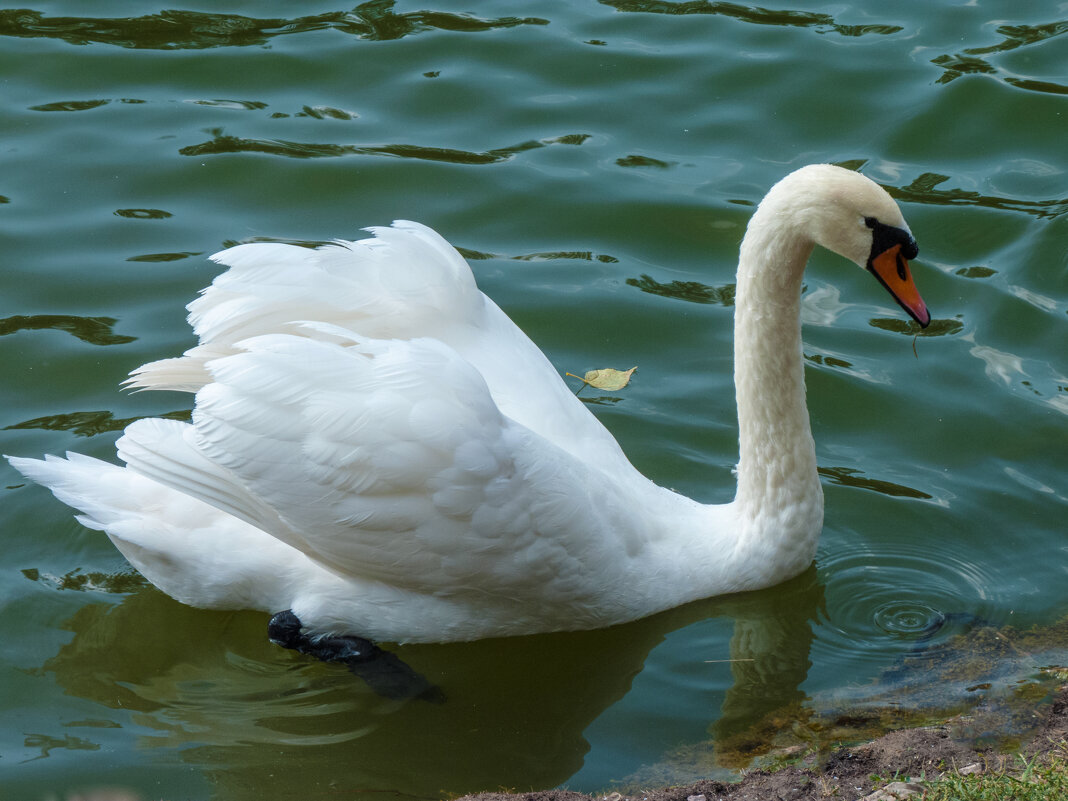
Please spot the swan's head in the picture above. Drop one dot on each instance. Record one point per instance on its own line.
(853, 216)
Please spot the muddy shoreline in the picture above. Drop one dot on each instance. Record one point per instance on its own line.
(846, 773)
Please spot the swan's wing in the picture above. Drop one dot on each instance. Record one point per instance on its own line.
(405, 281)
(395, 465)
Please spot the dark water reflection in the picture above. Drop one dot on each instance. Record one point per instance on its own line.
(849, 477)
(922, 190)
(94, 330)
(88, 424)
(823, 23)
(222, 143)
(180, 30)
(937, 328)
(516, 709)
(970, 60)
(692, 291)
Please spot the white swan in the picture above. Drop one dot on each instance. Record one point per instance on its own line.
(378, 448)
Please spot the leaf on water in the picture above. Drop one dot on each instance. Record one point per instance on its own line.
(607, 378)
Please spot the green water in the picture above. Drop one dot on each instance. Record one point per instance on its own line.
(597, 162)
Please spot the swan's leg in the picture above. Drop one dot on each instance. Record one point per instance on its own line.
(384, 673)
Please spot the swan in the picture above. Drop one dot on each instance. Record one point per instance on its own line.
(377, 450)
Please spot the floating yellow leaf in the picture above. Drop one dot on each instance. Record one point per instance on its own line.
(607, 378)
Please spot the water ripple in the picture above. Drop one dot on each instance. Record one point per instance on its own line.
(692, 291)
(83, 105)
(848, 477)
(936, 328)
(911, 599)
(94, 330)
(143, 214)
(183, 30)
(970, 61)
(752, 14)
(222, 143)
(922, 190)
(88, 424)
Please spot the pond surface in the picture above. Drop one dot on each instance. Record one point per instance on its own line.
(597, 163)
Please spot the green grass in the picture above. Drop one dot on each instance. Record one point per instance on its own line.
(1042, 778)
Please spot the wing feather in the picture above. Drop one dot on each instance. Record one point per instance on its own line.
(405, 281)
(394, 462)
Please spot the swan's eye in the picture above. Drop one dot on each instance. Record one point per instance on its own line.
(886, 236)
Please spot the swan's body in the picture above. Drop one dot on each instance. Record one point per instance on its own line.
(377, 447)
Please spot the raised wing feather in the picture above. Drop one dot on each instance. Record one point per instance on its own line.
(406, 281)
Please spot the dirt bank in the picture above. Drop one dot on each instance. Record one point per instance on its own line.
(846, 775)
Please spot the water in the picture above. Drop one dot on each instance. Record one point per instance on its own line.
(597, 162)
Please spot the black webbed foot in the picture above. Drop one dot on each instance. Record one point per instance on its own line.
(383, 671)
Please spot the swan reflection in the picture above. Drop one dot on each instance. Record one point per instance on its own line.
(257, 718)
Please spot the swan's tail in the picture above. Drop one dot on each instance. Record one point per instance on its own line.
(190, 550)
(99, 490)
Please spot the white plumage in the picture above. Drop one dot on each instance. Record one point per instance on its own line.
(377, 447)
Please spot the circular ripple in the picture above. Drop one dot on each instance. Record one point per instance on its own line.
(908, 619)
(906, 597)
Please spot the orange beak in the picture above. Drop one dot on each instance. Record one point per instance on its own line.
(892, 270)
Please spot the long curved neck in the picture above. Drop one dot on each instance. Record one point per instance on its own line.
(779, 500)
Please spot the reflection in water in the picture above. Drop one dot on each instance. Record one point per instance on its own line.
(70, 105)
(154, 258)
(957, 65)
(326, 113)
(848, 477)
(242, 105)
(277, 147)
(937, 328)
(88, 424)
(94, 330)
(211, 686)
(179, 30)
(976, 272)
(1029, 378)
(644, 161)
(548, 255)
(1032, 85)
(969, 62)
(47, 744)
(871, 594)
(769, 658)
(572, 255)
(823, 23)
(987, 684)
(1020, 35)
(143, 214)
(932, 624)
(922, 190)
(830, 361)
(692, 291)
(93, 581)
